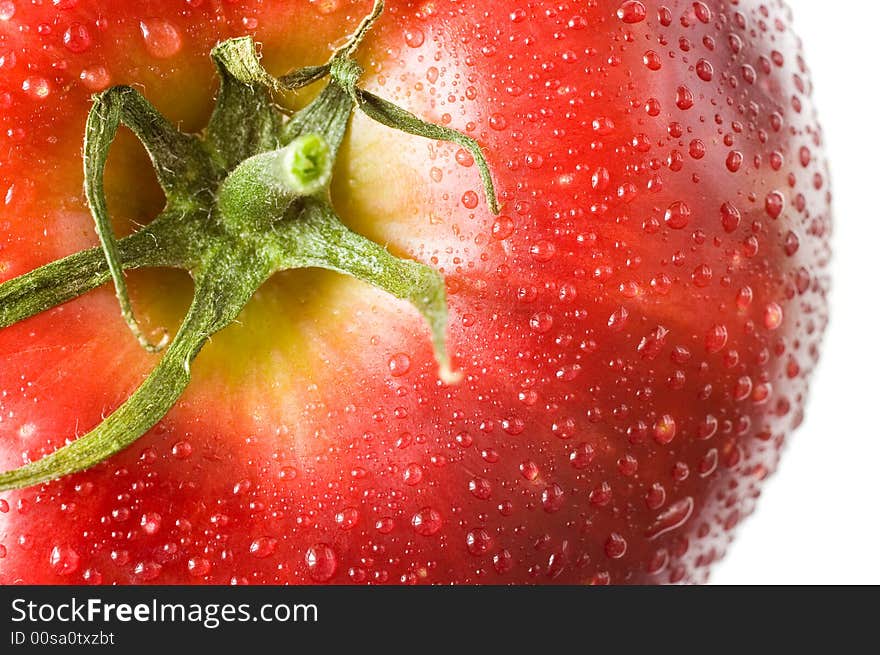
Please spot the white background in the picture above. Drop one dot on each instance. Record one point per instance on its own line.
(818, 520)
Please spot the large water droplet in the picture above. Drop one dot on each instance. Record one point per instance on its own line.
(322, 562)
(161, 38)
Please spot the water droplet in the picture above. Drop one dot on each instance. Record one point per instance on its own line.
(632, 11)
(7, 10)
(615, 546)
(503, 227)
(322, 562)
(502, 561)
(470, 199)
(385, 525)
(582, 456)
(664, 429)
(772, 316)
(552, 498)
(64, 560)
(347, 518)
(413, 474)
(287, 473)
(36, 87)
(774, 204)
(704, 70)
(480, 488)
(326, 7)
(497, 122)
(182, 449)
(262, 547)
(161, 38)
(541, 322)
(147, 571)
(675, 516)
(151, 522)
(479, 542)
(716, 338)
(734, 161)
(678, 215)
(684, 99)
(77, 38)
(427, 521)
(399, 364)
(414, 37)
(529, 470)
(198, 567)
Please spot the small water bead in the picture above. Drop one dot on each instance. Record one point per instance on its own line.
(470, 199)
(497, 122)
(734, 160)
(413, 474)
(774, 204)
(7, 10)
(652, 60)
(529, 470)
(182, 449)
(615, 546)
(326, 7)
(77, 38)
(664, 429)
(503, 227)
(480, 488)
(287, 473)
(151, 522)
(675, 516)
(161, 38)
(321, 562)
(198, 567)
(772, 316)
(730, 217)
(36, 87)
(385, 525)
(64, 560)
(704, 70)
(684, 98)
(552, 498)
(147, 571)
(791, 244)
(479, 542)
(502, 561)
(677, 215)
(399, 364)
(632, 11)
(541, 322)
(716, 338)
(262, 547)
(347, 518)
(414, 37)
(427, 521)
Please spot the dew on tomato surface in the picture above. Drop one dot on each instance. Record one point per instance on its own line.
(672, 518)
(427, 521)
(263, 547)
(77, 38)
(321, 562)
(479, 542)
(64, 560)
(632, 11)
(161, 38)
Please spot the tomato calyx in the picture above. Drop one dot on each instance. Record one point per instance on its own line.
(245, 199)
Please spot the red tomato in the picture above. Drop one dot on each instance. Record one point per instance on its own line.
(635, 329)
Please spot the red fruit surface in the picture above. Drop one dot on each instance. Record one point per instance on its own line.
(636, 329)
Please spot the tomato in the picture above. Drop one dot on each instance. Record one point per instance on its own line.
(634, 331)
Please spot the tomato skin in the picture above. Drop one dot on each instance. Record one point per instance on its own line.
(636, 329)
